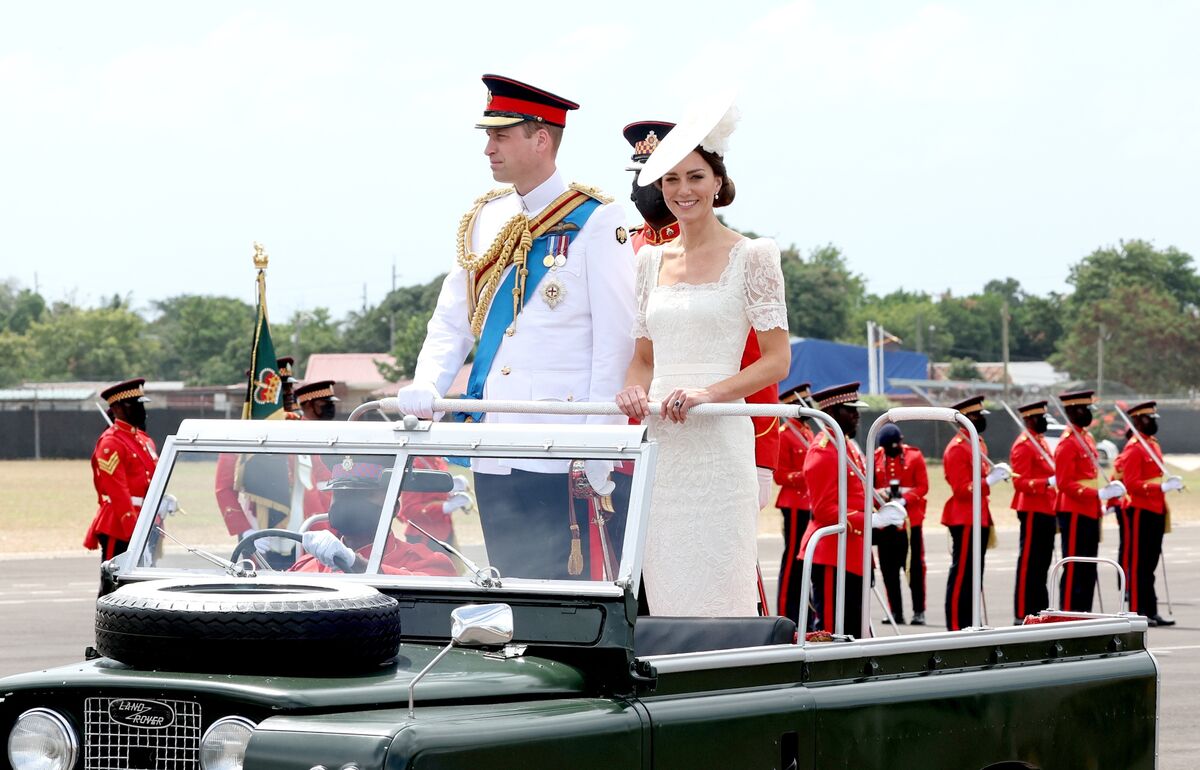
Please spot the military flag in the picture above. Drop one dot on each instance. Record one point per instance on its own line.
(264, 388)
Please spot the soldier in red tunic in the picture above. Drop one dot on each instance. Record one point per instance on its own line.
(820, 472)
(286, 366)
(1140, 466)
(1081, 494)
(958, 513)
(1033, 500)
(900, 469)
(122, 465)
(795, 437)
(317, 400)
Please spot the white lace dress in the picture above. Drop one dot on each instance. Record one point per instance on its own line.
(702, 545)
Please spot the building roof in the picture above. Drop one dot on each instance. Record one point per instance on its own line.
(356, 370)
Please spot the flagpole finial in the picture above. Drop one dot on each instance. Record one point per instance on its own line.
(260, 256)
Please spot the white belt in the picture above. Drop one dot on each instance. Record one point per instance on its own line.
(671, 370)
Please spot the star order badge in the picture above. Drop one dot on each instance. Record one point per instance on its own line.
(553, 292)
(622, 235)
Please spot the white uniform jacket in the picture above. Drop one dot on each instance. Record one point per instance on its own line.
(576, 351)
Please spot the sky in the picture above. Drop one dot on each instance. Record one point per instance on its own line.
(144, 146)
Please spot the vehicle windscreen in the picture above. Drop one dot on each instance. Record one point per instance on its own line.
(393, 514)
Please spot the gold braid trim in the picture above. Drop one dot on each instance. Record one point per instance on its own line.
(591, 192)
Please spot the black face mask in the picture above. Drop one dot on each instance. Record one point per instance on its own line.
(325, 409)
(980, 423)
(1040, 424)
(1080, 418)
(354, 513)
(650, 204)
(135, 414)
(892, 450)
(1150, 427)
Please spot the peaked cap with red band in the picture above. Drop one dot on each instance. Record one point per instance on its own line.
(1078, 398)
(1146, 407)
(971, 405)
(511, 102)
(1032, 409)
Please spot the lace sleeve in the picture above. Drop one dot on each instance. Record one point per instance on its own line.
(765, 304)
(647, 276)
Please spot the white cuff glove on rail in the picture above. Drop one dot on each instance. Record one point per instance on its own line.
(325, 546)
(765, 477)
(1172, 484)
(598, 472)
(456, 502)
(1111, 490)
(891, 514)
(999, 472)
(417, 399)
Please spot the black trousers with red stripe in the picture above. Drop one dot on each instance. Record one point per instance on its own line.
(960, 582)
(1033, 563)
(894, 546)
(1139, 557)
(795, 522)
(1080, 537)
(822, 605)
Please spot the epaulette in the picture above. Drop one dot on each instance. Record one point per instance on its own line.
(591, 192)
(1133, 440)
(1022, 437)
(958, 439)
(492, 195)
(824, 440)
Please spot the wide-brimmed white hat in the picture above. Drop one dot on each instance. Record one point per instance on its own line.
(709, 123)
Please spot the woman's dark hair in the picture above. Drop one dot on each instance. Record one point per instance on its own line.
(717, 163)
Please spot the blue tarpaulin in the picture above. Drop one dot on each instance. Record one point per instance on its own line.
(825, 363)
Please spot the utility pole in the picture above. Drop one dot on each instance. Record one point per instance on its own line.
(1004, 318)
(364, 299)
(871, 360)
(1100, 362)
(392, 311)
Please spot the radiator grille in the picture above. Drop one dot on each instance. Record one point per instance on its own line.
(111, 745)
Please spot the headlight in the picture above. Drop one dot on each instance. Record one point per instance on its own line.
(42, 739)
(224, 744)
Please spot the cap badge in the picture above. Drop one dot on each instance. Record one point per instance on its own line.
(553, 292)
(348, 464)
(647, 145)
(622, 235)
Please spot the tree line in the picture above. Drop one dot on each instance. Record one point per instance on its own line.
(1137, 303)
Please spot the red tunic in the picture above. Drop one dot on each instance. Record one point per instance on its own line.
(1031, 475)
(399, 558)
(956, 464)
(789, 471)
(1141, 475)
(820, 471)
(909, 469)
(122, 465)
(1076, 475)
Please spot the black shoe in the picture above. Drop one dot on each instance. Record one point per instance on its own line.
(918, 619)
(899, 620)
(1151, 622)
(1159, 620)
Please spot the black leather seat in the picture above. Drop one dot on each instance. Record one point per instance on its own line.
(665, 636)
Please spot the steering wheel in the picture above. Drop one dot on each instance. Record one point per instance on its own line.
(247, 544)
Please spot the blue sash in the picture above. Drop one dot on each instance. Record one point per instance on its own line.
(500, 315)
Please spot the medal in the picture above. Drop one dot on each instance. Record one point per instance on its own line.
(548, 260)
(553, 292)
(560, 260)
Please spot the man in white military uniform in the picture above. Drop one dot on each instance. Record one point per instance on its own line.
(544, 283)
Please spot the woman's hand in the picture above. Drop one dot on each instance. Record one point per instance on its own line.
(633, 403)
(676, 404)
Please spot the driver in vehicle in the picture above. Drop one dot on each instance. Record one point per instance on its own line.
(359, 489)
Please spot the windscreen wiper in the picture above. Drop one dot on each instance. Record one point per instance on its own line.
(484, 578)
(233, 570)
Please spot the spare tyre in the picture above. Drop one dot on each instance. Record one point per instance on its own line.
(261, 625)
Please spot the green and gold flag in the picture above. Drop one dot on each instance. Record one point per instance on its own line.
(264, 390)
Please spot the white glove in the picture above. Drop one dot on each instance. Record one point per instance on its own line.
(1172, 484)
(999, 472)
(417, 399)
(765, 477)
(328, 550)
(900, 501)
(460, 484)
(889, 515)
(1051, 482)
(456, 502)
(598, 472)
(262, 545)
(1111, 490)
(169, 505)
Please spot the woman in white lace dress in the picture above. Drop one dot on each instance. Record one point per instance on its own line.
(698, 296)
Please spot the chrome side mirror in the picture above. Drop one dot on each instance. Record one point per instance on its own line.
(472, 625)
